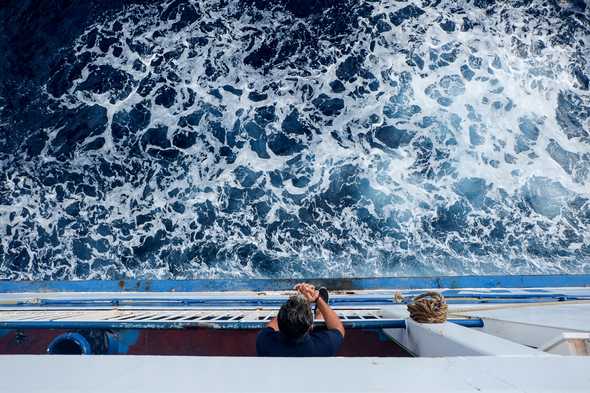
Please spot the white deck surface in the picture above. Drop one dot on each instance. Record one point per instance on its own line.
(565, 316)
(148, 374)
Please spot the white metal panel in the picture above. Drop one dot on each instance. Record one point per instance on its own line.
(449, 339)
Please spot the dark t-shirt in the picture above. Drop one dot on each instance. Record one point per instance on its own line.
(323, 342)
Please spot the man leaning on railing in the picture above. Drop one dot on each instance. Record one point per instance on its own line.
(291, 333)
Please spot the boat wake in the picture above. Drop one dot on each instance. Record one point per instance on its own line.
(299, 139)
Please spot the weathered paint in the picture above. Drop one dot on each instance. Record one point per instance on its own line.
(492, 281)
(125, 339)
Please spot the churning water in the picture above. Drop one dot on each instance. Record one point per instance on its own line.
(200, 139)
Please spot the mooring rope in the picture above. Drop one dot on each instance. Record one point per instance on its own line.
(430, 307)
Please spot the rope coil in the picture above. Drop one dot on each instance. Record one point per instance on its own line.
(430, 307)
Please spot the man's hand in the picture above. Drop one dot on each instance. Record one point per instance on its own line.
(308, 291)
(333, 322)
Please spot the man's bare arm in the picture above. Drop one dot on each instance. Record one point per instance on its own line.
(332, 320)
(273, 324)
(330, 317)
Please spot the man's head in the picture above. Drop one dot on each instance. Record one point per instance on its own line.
(295, 317)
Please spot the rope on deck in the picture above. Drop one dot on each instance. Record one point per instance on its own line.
(430, 307)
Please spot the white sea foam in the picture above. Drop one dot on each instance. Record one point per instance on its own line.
(472, 190)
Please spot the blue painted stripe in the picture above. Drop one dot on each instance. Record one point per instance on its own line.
(497, 281)
(231, 325)
(240, 303)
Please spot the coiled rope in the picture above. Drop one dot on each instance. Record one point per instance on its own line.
(430, 307)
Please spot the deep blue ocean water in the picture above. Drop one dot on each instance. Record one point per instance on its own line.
(295, 138)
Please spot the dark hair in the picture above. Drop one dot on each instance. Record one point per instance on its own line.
(295, 317)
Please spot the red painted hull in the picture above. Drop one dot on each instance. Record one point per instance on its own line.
(193, 342)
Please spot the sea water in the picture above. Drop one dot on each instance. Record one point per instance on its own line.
(295, 138)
